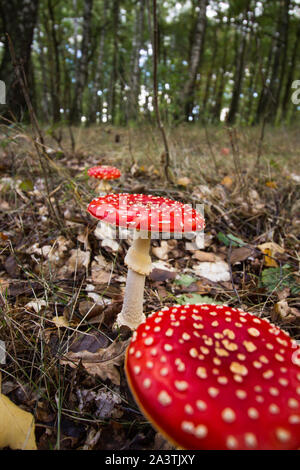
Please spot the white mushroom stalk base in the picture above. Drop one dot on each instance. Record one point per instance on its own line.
(138, 261)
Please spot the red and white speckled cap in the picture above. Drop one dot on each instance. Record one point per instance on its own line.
(147, 213)
(214, 377)
(104, 172)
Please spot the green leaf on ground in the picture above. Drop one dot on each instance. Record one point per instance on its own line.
(185, 280)
(279, 278)
(230, 239)
(26, 185)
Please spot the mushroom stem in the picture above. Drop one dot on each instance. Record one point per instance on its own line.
(104, 187)
(138, 261)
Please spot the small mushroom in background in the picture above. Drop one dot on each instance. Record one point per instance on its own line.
(104, 173)
(149, 217)
(215, 377)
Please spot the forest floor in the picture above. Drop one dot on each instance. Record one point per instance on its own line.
(62, 278)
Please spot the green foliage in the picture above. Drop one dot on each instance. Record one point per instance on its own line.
(230, 239)
(278, 278)
(26, 185)
(185, 280)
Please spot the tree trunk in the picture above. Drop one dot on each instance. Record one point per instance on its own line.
(212, 69)
(270, 94)
(45, 100)
(97, 84)
(187, 96)
(56, 71)
(82, 64)
(135, 62)
(290, 77)
(19, 19)
(239, 70)
(221, 86)
(114, 73)
(284, 34)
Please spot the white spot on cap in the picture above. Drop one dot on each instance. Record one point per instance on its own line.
(168, 347)
(169, 332)
(148, 341)
(284, 382)
(274, 391)
(250, 439)
(136, 370)
(164, 398)
(201, 405)
(187, 426)
(147, 383)
(222, 380)
(274, 409)
(228, 415)
(231, 442)
(201, 431)
(189, 409)
(294, 419)
(249, 346)
(253, 413)
(193, 352)
(268, 374)
(253, 332)
(293, 403)
(201, 372)
(213, 392)
(181, 385)
(283, 435)
(238, 368)
(241, 394)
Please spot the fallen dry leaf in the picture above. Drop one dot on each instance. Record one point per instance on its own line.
(36, 305)
(60, 322)
(271, 184)
(102, 363)
(162, 251)
(284, 311)
(16, 426)
(240, 254)
(270, 250)
(204, 256)
(227, 182)
(100, 270)
(184, 181)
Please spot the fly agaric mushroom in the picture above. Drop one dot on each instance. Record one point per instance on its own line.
(148, 216)
(215, 377)
(104, 173)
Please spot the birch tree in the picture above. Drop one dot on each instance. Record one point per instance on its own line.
(19, 19)
(82, 63)
(187, 95)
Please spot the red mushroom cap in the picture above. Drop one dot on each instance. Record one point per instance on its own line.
(104, 172)
(147, 213)
(214, 377)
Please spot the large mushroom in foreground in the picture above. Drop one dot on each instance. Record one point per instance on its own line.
(215, 377)
(149, 217)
